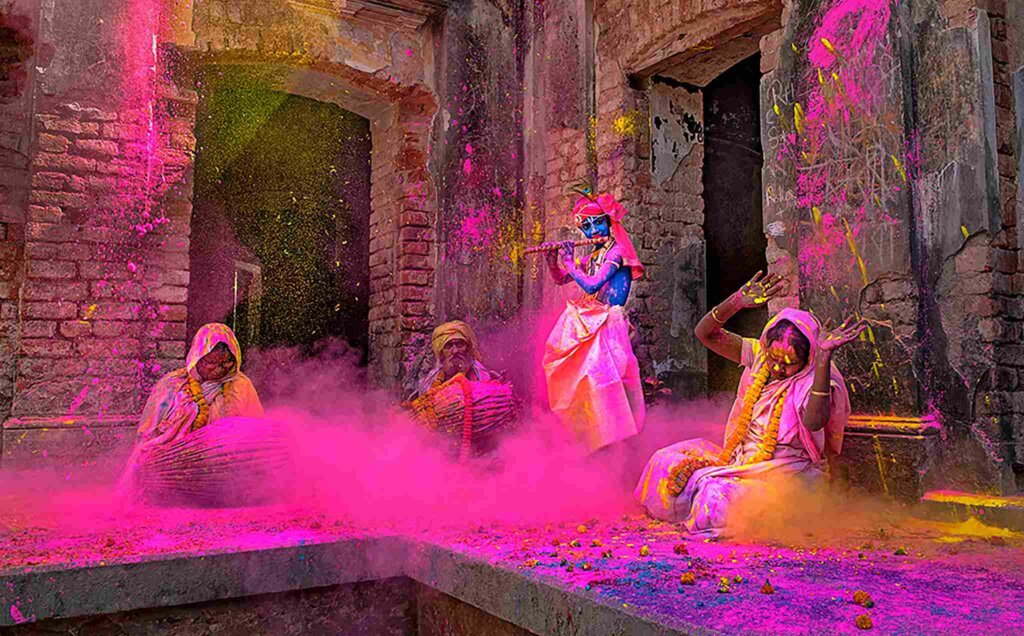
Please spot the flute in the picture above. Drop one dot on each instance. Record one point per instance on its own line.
(554, 245)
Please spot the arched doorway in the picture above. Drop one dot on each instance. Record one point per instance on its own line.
(280, 228)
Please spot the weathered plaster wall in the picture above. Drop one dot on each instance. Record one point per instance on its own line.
(929, 250)
(476, 159)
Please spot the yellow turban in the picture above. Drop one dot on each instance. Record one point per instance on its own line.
(454, 330)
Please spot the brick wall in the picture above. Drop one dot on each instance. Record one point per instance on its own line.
(19, 24)
(1001, 406)
(104, 263)
(94, 283)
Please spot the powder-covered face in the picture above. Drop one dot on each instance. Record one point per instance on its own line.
(217, 364)
(595, 226)
(456, 357)
(782, 358)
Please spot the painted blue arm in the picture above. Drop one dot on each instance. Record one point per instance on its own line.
(592, 284)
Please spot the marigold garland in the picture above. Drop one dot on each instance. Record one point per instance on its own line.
(196, 391)
(423, 407)
(680, 474)
(467, 416)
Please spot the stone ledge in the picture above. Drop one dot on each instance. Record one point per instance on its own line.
(36, 443)
(89, 421)
(534, 604)
(950, 505)
(892, 425)
(889, 454)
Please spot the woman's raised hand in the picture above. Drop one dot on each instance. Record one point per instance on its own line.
(759, 290)
(830, 339)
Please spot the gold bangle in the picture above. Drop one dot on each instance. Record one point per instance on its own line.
(820, 393)
(714, 315)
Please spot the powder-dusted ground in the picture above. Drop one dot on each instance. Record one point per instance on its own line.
(924, 577)
(963, 578)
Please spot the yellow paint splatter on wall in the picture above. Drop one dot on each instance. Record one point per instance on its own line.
(629, 124)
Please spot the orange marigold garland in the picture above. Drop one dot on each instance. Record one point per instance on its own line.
(681, 472)
(196, 391)
(423, 407)
(467, 416)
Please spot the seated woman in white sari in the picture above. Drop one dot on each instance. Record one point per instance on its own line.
(209, 388)
(790, 411)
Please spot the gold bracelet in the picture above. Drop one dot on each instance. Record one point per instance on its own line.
(715, 316)
(820, 393)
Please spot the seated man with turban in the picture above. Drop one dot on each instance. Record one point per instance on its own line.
(460, 397)
(455, 351)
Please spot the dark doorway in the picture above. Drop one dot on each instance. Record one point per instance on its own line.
(733, 226)
(280, 227)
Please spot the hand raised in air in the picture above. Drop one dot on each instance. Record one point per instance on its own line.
(830, 339)
(759, 290)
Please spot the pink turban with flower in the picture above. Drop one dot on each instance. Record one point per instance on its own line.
(606, 204)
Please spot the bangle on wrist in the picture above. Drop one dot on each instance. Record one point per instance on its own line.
(714, 316)
(820, 393)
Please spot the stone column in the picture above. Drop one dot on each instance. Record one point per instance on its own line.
(880, 182)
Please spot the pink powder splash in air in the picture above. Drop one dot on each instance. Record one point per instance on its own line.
(825, 255)
(869, 20)
(477, 230)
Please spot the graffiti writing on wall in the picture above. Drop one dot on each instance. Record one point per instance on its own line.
(838, 135)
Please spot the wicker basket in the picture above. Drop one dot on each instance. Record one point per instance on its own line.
(492, 410)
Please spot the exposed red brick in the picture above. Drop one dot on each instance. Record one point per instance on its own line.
(38, 329)
(45, 347)
(419, 248)
(68, 125)
(169, 294)
(64, 163)
(413, 277)
(97, 148)
(109, 328)
(410, 261)
(172, 349)
(51, 269)
(54, 290)
(177, 313)
(168, 331)
(75, 328)
(110, 311)
(50, 232)
(45, 214)
(50, 310)
(53, 143)
(101, 347)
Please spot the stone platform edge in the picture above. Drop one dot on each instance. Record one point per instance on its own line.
(535, 603)
(953, 506)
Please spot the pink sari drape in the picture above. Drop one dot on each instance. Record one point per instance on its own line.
(592, 375)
